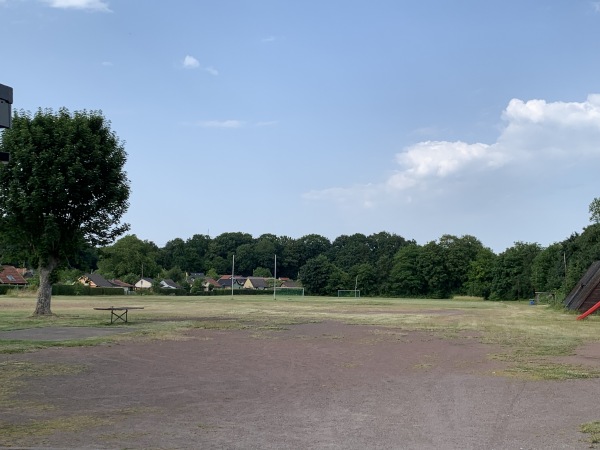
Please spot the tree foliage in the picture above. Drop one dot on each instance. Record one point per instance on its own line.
(128, 258)
(315, 275)
(63, 188)
(594, 210)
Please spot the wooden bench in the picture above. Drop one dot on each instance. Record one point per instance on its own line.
(118, 312)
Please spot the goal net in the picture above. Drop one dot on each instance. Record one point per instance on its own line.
(349, 293)
(289, 291)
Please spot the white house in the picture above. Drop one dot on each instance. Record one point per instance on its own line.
(144, 283)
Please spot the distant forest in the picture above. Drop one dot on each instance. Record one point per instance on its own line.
(381, 264)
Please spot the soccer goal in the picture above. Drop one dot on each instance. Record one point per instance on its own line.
(349, 293)
(289, 291)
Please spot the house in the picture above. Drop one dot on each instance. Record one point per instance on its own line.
(144, 283)
(94, 280)
(169, 284)
(226, 281)
(586, 292)
(126, 286)
(10, 275)
(193, 276)
(256, 283)
(209, 284)
(26, 273)
(289, 284)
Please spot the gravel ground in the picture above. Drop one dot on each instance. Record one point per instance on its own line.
(313, 386)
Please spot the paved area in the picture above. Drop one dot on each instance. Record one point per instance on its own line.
(311, 386)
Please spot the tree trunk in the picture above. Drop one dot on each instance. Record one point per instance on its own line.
(44, 293)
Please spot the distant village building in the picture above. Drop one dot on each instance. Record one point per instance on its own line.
(169, 284)
(255, 283)
(125, 286)
(226, 282)
(94, 280)
(10, 275)
(144, 283)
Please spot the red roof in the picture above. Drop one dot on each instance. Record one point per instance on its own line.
(121, 283)
(10, 275)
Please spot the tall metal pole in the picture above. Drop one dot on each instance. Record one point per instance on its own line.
(232, 273)
(275, 280)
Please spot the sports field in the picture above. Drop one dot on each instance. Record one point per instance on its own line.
(297, 372)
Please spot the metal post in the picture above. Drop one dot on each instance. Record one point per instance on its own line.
(232, 273)
(275, 279)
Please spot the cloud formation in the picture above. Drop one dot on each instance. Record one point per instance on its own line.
(90, 5)
(189, 62)
(538, 138)
(221, 124)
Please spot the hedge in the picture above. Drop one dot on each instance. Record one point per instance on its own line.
(4, 288)
(217, 292)
(176, 292)
(80, 289)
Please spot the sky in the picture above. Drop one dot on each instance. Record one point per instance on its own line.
(416, 117)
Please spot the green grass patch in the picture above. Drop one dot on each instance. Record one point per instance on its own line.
(547, 371)
(11, 434)
(593, 429)
(527, 336)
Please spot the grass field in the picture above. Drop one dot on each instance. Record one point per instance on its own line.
(530, 341)
(528, 335)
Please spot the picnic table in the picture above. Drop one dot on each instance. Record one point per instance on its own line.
(118, 312)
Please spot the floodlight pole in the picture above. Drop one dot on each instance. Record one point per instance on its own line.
(275, 280)
(232, 272)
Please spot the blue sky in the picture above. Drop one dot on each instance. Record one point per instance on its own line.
(419, 118)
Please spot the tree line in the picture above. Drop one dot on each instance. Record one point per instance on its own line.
(381, 264)
(64, 191)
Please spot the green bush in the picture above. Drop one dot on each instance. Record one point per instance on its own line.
(80, 289)
(175, 292)
(4, 289)
(217, 292)
(11, 289)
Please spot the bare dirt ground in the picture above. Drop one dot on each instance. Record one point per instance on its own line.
(311, 386)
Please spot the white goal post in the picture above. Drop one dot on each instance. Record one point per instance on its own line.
(296, 291)
(349, 293)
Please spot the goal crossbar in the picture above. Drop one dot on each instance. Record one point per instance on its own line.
(349, 293)
(299, 291)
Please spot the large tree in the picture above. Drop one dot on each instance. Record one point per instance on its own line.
(64, 186)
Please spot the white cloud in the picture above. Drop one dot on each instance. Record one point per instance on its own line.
(90, 5)
(189, 62)
(221, 124)
(541, 167)
(537, 135)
